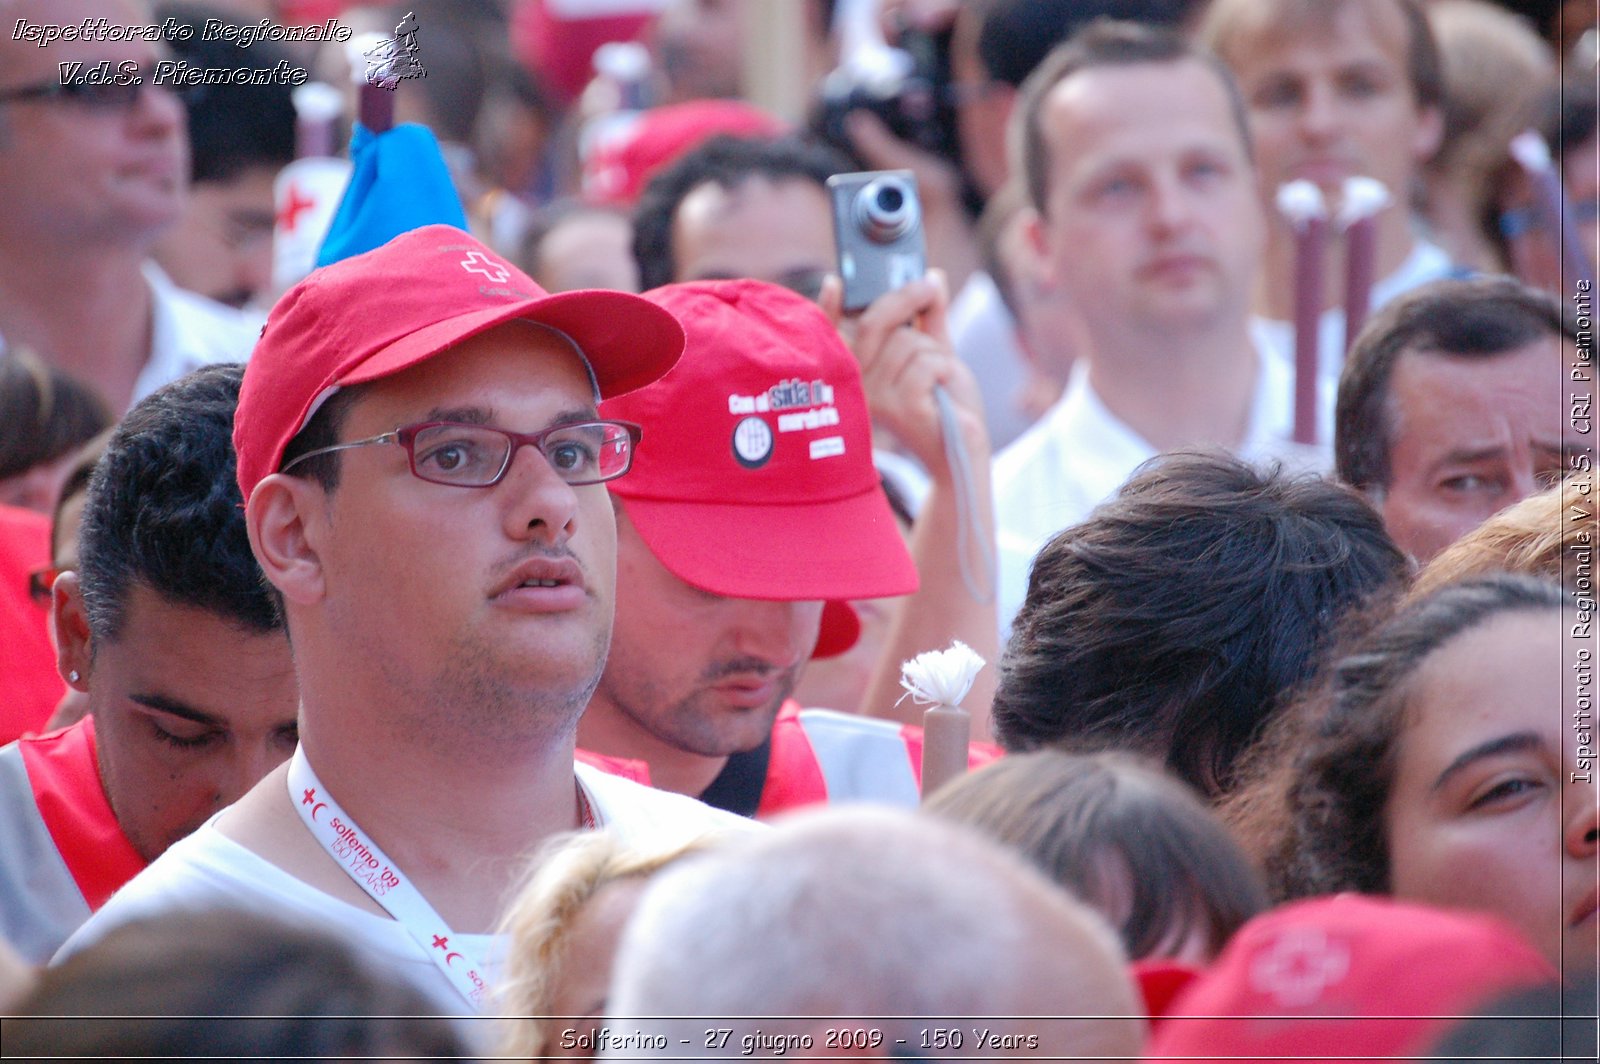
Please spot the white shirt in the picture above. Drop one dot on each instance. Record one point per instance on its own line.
(208, 870)
(1427, 262)
(1080, 453)
(984, 336)
(189, 331)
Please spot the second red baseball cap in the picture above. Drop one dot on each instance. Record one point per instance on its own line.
(1344, 977)
(618, 172)
(757, 479)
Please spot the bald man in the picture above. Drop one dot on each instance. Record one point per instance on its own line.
(868, 912)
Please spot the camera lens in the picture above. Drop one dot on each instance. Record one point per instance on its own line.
(886, 209)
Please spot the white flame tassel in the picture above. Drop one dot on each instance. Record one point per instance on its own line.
(941, 677)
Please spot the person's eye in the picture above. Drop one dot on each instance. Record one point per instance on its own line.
(1204, 169)
(1276, 93)
(1503, 792)
(1114, 189)
(1361, 86)
(571, 454)
(447, 457)
(1469, 483)
(453, 455)
(182, 740)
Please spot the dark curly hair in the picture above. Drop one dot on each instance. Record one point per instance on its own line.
(163, 510)
(1345, 757)
(1182, 613)
(727, 162)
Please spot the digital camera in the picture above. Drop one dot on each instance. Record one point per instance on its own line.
(877, 224)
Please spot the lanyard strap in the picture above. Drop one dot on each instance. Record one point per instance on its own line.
(374, 873)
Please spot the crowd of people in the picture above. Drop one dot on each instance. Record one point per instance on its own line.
(489, 643)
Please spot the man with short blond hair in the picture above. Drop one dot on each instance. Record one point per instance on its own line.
(1336, 89)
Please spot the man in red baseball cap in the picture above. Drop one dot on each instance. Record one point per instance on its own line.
(422, 464)
(739, 537)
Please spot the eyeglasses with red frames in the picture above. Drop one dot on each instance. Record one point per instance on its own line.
(477, 456)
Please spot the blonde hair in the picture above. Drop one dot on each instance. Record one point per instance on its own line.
(1535, 537)
(564, 875)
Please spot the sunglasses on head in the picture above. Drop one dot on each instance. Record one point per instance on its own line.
(120, 93)
(41, 582)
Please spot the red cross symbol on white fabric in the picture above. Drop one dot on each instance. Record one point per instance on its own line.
(293, 206)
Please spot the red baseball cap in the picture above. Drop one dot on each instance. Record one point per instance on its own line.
(375, 314)
(757, 481)
(1345, 976)
(617, 172)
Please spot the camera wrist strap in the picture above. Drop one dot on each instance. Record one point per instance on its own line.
(972, 540)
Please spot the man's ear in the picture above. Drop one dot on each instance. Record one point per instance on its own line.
(1034, 232)
(831, 299)
(285, 518)
(1429, 137)
(74, 645)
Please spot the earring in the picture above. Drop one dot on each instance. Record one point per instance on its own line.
(72, 675)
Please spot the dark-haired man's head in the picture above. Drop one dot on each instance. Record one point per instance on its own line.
(224, 985)
(1452, 407)
(1182, 613)
(998, 43)
(240, 136)
(737, 207)
(167, 625)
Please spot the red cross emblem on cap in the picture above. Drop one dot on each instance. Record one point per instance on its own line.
(1299, 965)
(478, 262)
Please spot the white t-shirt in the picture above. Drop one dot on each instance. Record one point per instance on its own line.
(984, 335)
(1080, 453)
(208, 870)
(189, 331)
(1426, 262)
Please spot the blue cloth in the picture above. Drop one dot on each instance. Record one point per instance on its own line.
(398, 182)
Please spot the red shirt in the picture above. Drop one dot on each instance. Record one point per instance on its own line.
(30, 687)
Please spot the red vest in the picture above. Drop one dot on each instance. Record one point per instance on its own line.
(63, 852)
(815, 756)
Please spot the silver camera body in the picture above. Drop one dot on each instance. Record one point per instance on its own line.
(877, 224)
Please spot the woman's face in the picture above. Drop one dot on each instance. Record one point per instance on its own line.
(1490, 808)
